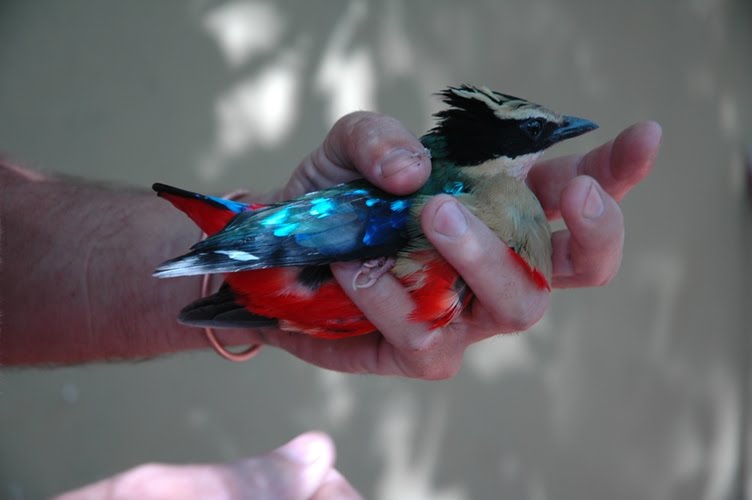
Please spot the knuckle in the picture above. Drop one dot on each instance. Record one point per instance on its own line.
(605, 278)
(347, 123)
(367, 133)
(602, 275)
(320, 160)
(363, 125)
(248, 475)
(473, 251)
(362, 137)
(443, 370)
(433, 360)
(521, 314)
(346, 135)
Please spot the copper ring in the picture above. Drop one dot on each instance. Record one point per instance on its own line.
(209, 332)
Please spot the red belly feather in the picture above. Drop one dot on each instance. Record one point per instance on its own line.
(327, 312)
(439, 294)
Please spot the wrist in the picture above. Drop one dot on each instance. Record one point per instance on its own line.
(207, 286)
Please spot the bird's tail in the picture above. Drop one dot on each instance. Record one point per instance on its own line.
(209, 213)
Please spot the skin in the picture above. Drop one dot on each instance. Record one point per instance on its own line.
(70, 264)
(302, 469)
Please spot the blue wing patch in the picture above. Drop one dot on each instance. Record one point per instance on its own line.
(345, 222)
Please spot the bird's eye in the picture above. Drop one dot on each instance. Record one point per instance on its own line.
(533, 128)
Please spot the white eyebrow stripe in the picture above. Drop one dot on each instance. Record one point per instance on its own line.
(525, 113)
(479, 96)
(507, 108)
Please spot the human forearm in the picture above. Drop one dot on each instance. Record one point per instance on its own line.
(76, 273)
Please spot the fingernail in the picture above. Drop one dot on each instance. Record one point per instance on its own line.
(593, 206)
(303, 449)
(398, 160)
(450, 220)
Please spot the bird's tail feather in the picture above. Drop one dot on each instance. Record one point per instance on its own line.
(221, 311)
(209, 213)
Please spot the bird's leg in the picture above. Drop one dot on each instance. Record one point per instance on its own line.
(372, 270)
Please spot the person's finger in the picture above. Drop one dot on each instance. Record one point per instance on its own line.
(589, 252)
(293, 471)
(617, 165)
(336, 487)
(156, 481)
(364, 144)
(411, 349)
(507, 299)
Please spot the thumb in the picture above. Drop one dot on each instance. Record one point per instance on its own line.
(293, 471)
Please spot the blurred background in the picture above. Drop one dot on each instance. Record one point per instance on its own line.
(637, 390)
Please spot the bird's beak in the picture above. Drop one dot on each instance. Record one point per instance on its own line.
(570, 127)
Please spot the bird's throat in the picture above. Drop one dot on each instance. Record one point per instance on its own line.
(516, 168)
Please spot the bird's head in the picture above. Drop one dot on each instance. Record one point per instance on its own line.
(485, 128)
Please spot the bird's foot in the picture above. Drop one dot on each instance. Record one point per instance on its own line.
(371, 270)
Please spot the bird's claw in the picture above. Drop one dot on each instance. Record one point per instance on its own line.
(372, 270)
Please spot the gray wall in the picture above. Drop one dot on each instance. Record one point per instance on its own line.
(632, 391)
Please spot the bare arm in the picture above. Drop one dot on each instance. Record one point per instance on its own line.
(76, 272)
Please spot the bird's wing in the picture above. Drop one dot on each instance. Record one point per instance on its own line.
(221, 310)
(345, 222)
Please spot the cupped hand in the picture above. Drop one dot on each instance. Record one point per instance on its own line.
(584, 190)
(301, 469)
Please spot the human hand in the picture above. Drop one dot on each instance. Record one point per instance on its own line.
(582, 189)
(301, 469)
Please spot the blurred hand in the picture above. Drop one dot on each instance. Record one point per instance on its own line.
(301, 469)
(582, 189)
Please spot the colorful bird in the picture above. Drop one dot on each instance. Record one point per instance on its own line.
(276, 258)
